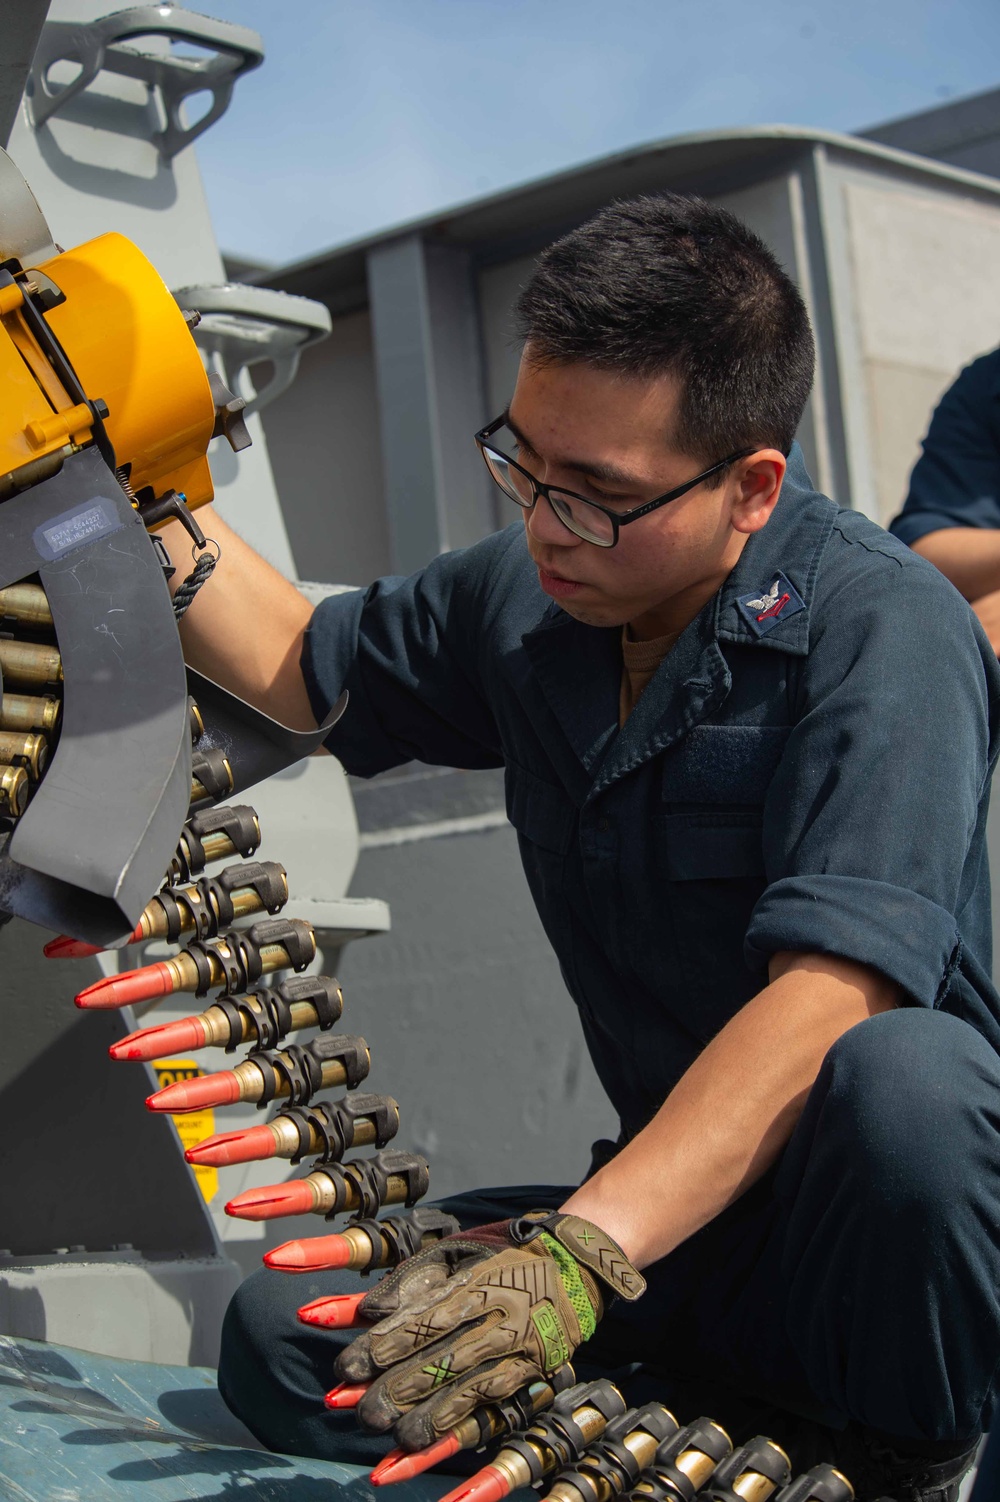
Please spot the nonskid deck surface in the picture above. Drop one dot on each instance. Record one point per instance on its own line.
(76, 1427)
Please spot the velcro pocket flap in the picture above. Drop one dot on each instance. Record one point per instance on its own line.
(723, 764)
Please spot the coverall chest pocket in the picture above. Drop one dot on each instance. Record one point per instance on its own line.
(545, 819)
(708, 859)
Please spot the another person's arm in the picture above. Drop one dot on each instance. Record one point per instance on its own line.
(952, 511)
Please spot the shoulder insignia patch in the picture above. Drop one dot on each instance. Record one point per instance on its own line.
(778, 601)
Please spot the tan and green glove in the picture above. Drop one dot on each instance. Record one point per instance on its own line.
(475, 1316)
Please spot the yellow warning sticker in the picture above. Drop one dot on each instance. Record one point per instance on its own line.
(196, 1125)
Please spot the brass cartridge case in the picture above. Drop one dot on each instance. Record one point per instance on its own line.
(28, 751)
(28, 712)
(30, 662)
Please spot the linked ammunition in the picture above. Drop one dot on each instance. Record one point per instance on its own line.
(614, 1463)
(482, 1426)
(195, 721)
(337, 1313)
(365, 1245)
(684, 1463)
(213, 902)
(29, 712)
(557, 1438)
(202, 908)
(824, 1483)
(211, 777)
(345, 1395)
(29, 663)
(28, 751)
(231, 962)
(261, 1018)
(360, 1187)
(297, 1071)
(212, 834)
(13, 791)
(329, 1129)
(753, 1473)
(27, 604)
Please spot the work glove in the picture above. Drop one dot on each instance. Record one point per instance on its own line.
(476, 1316)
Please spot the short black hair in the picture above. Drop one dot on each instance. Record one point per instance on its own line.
(674, 285)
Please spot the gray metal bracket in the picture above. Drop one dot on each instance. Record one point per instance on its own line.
(94, 46)
(242, 326)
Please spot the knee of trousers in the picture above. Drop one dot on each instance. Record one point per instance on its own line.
(272, 1368)
(908, 1102)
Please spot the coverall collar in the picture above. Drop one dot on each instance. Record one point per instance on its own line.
(578, 667)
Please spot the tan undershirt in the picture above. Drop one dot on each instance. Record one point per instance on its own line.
(640, 660)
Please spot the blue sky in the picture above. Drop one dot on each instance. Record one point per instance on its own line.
(370, 112)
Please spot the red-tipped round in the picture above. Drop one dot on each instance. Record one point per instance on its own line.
(65, 948)
(403, 1465)
(132, 985)
(163, 1042)
(295, 1198)
(487, 1485)
(233, 1147)
(340, 1312)
(197, 1094)
(312, 1255)
(345, 1396)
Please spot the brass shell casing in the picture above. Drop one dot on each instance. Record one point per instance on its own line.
(29, 712)
(13, 791)
(26, 603)
(30, 662)
(28, 751)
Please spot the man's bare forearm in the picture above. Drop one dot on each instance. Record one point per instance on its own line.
(968, 556)
(246, 626)
(730, 1116)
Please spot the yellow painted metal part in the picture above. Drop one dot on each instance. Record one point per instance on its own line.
(128, 342)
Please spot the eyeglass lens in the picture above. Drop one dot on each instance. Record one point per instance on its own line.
(583, 519)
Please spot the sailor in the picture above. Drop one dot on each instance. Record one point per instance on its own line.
(952, 510)
(747, 739)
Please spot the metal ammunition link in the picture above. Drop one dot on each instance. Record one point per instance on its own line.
(369, 1179)
(238, 952)
(334, 1122)
(235, 830)
(684, 1463)
(208, 902)
(300, 1067)
(759, 1457)
(211, 777)
(557, 1431)
(268, 1009)
(403, 1236)
(824, 1483)
(517, 1411)
(610, 1466)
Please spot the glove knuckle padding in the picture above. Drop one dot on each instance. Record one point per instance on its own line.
(486, 1384)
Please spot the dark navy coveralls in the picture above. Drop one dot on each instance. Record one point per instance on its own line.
(956, 481)
(808, 770)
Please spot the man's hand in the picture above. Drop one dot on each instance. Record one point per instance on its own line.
(474, 1317)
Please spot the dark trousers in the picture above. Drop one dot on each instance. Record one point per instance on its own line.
(858, 1281)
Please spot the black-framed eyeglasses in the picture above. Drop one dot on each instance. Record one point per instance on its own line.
(587, 519)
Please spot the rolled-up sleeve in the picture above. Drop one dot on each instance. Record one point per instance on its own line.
(869, 820)
(406, 651)
(956, 481)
